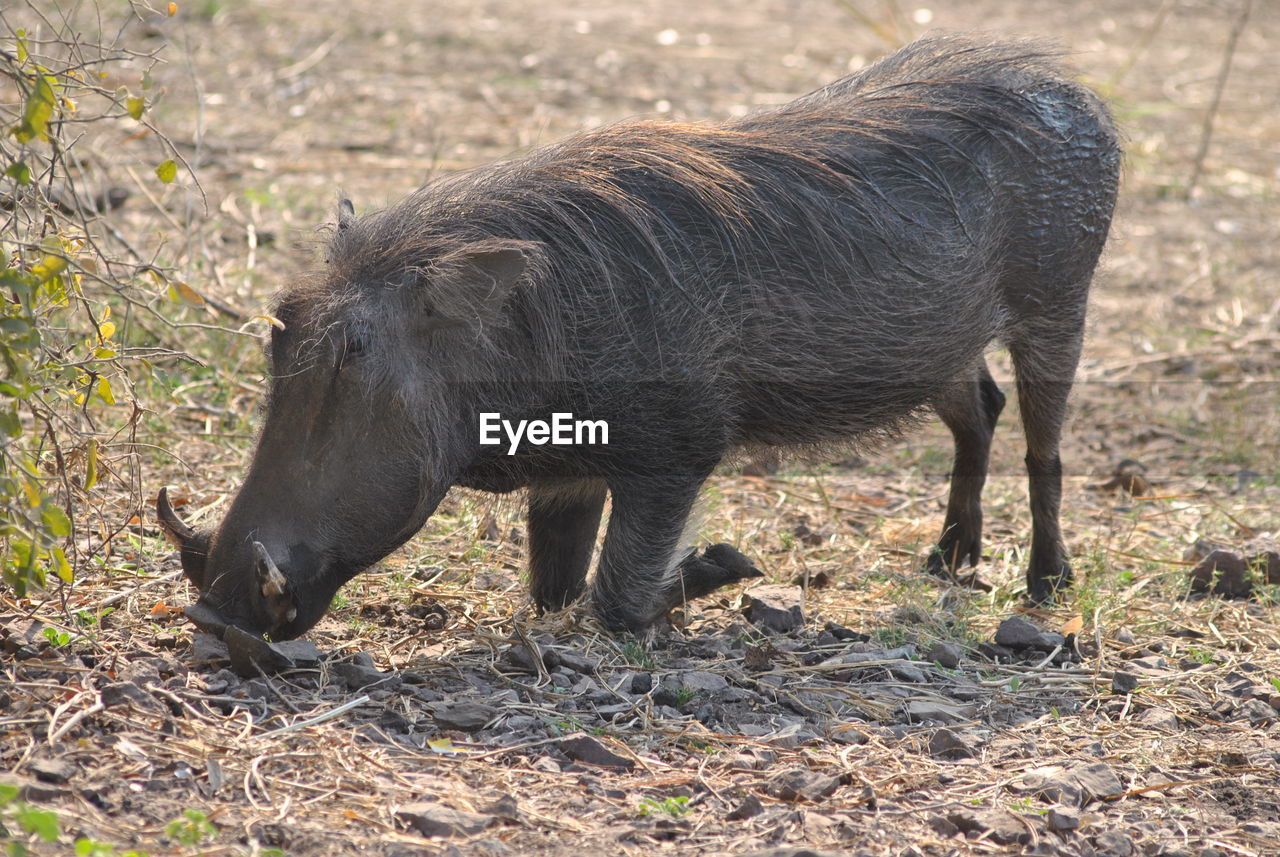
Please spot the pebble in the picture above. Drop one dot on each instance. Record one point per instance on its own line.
(584, 748)
(435, 819)
(776, 607)
(463, 716)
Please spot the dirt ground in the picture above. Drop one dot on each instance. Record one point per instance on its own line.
(886, 714)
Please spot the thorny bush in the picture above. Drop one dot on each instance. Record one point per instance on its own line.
(70, 282)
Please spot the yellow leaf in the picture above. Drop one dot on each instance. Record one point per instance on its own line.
(173, 9)
(91, 465)
(104, 352)
(104, 391)
(107, 329)
(38, 111)
(167, 171)
(60, 565)
(1074, 625)
(135, 106)
(48, 268)
(180, 292)
(442, 745)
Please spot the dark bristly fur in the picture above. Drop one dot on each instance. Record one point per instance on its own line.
(821, 273)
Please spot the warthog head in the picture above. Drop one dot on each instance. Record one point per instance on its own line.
(358, 443)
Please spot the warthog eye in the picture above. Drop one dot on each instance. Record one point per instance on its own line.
(355, 347)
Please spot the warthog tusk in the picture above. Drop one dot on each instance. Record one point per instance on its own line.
(275, 588)
(273, 581)
(175, 529)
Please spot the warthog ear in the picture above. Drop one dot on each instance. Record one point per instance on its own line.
(477, 281)
(346, 214)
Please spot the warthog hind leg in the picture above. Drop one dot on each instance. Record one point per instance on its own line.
(970, 409)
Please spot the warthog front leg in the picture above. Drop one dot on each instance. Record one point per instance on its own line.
(642, 574)
(563, 519)
(719, 565)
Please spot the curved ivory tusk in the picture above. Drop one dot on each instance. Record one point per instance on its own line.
(175, 529)
(272, 579)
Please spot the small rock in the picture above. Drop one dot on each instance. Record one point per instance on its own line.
(1113, 843)
(208, 649)
(927, 711)
(641, 683)
(900, 653)
(945, 655)
(1122, 682)
(57, 771)
(122, 692)
(794, 851)
(947, 744)
(505, 807)
(435, 819)
(1257, 712)
(144, 672)
(584, 748)
(463, 716)
(1017, 633)
(800, 784)
(844, 634)
(776, 608)
(222, 681)
(749, 807)
(359, 676)
(1096, 780)
(522, 658)
(1264, 558)
(547, 765)
(1230, 571)
(393, 721)
(303, 653)
(256, 688)
(910, 674)
(996, 654)
(996, 825)
(1159, 718)
(35, 790)
(1125, 637)
(578, 663)
(942, 826)
(759, 658)
(1061, 819)
(250, 653)
(703, 682)
(665, 695)
(1201, 549)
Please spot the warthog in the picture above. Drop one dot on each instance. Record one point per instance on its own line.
(816, 274)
